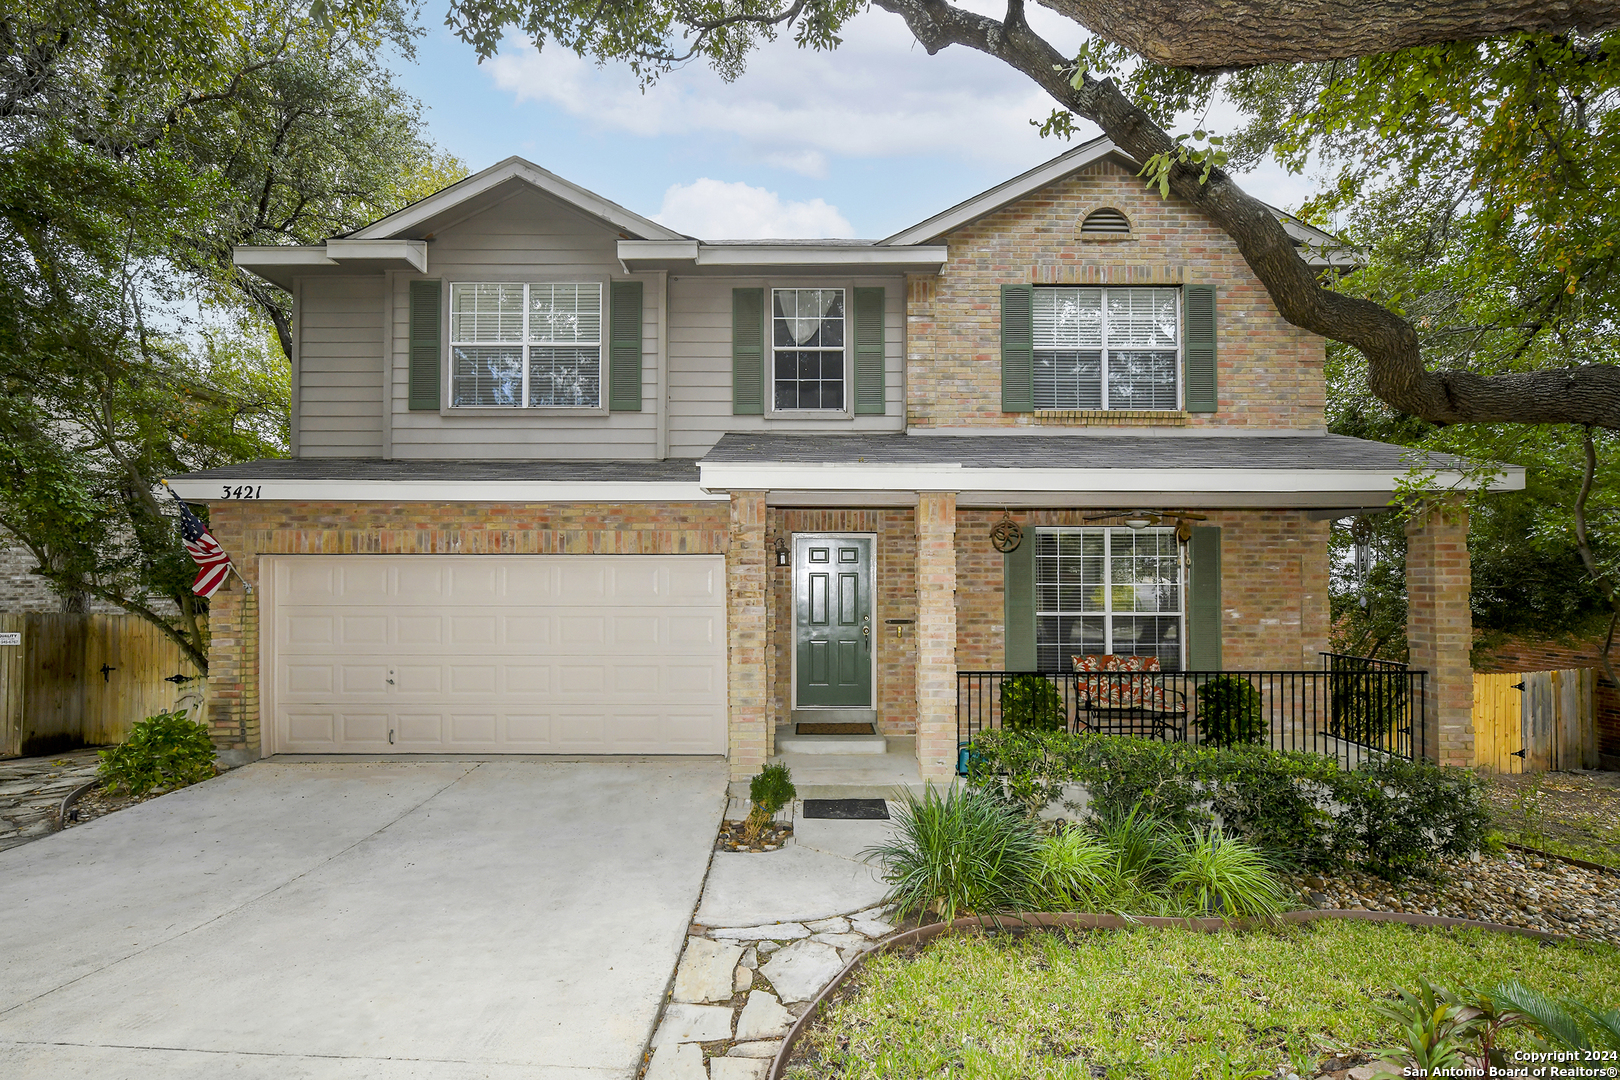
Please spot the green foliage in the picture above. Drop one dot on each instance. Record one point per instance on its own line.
(1392, 816)
(169, 750)
(1432, 1029)
(769, 790)
(1214, 872)
(1229, 711)
(1076, 872)
(1031, 703)
(963, 852)
(141, 144)
(772, 788)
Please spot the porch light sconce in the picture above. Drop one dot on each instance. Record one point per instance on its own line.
(781, 548)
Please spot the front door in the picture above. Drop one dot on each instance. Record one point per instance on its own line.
(832, 586)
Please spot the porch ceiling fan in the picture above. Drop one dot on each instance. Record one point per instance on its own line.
(1142, 519)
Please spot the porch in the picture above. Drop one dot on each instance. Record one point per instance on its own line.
(1222, 582)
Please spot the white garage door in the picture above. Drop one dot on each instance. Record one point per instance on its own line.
(519, 654)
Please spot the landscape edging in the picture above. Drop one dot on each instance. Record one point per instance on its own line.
(67, 803)
(1094, 921)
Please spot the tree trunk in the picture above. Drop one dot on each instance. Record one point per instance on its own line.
(1212, 35)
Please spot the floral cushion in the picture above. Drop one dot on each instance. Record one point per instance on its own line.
(1122, 693)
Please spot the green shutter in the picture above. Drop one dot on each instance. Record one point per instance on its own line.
(1018, 581)
(1204, 600)
(1017, 348)
(869, 312)
(426, 359)
(624, 347)
(1198, 338)
(747, 352)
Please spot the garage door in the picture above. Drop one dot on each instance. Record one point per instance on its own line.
(521, 654)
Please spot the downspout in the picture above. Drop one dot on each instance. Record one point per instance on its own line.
(661, 382)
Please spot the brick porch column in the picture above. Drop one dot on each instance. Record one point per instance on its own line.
(747, 689)
(1439, 627)
(936, 635)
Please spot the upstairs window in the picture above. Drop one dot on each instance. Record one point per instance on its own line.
(1107, 591)
(807, 349)
(1107, 348)
(533, 346)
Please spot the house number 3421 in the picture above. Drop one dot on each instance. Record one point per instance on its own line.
(243, 491)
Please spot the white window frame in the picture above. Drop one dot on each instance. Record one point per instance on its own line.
(1108, 614)
(1103, 349)
(848, 351)
(524, 345)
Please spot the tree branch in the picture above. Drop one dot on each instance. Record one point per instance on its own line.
(1587, 395)
(1584, 546)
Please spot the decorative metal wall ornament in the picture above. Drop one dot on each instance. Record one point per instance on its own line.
(1005, 535)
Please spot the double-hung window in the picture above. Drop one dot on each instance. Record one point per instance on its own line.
(807, 349)
(1107, 348)
(534, 346)
(1109, 591)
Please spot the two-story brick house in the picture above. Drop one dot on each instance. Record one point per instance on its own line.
(566, 481)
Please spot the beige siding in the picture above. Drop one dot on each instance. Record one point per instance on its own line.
(340, 367)
(700, 363)
(529, 237)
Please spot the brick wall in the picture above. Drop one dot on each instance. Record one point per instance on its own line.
(250, 529)
(1274, 586)
(23, 591)
(1269, 374)
(1439, 627)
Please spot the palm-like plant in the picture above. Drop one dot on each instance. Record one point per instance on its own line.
(964, 851)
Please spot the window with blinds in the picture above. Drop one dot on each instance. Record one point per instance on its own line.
(1107, 348)
(530, 346)
(1107, 591)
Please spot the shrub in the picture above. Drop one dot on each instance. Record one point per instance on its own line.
(1229, 711)
(965, 851)
(1391, 816)
(1075, 872)
(166, 750)
(1214, 872)
(770, 790)
(1031, 703)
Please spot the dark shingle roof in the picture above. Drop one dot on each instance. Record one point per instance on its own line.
(1077, 451)
(674, 471)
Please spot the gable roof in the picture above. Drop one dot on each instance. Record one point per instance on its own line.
(1323, 248)
(520, 170)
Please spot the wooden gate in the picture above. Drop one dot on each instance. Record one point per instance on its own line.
(1536, 721)
(84, 680)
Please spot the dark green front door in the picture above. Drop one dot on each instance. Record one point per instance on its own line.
(832, 585)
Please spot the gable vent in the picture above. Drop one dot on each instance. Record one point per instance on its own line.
(1106, 221)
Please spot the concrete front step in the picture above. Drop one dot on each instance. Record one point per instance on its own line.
(851, 776)
(789, 743)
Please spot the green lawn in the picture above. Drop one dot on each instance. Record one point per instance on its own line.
(1161, 1003)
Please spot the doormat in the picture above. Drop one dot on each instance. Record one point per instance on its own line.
(833, 729)
(847, 809)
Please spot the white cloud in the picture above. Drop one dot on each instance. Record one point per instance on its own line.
(878, 95)
(717, 210)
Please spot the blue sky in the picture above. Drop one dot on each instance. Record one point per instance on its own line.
(863, 141)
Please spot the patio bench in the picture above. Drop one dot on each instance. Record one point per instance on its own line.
(1126, 695)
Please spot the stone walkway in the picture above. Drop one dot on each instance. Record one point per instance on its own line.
(773, 929)
(31, 789)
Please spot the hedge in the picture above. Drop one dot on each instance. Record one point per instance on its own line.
(1390, 816)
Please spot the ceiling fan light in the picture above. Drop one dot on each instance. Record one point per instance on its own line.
(1137, 523)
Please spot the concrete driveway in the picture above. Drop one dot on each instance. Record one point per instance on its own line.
(448, 918)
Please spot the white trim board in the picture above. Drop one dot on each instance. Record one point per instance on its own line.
(536, 491)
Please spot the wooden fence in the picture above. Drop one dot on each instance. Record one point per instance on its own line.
(84, 680)
(1536, 721)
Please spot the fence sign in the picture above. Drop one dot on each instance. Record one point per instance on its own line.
(11, 639)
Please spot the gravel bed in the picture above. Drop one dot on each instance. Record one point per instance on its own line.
(98, 803)
(773, 837)
(1515, 889)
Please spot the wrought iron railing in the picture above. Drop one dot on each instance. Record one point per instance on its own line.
(1344, 712)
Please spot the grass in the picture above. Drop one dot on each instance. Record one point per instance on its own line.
(1166, 1004)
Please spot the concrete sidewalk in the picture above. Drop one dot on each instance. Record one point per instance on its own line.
(452, 918)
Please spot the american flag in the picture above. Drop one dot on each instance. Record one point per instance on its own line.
(213, 565)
